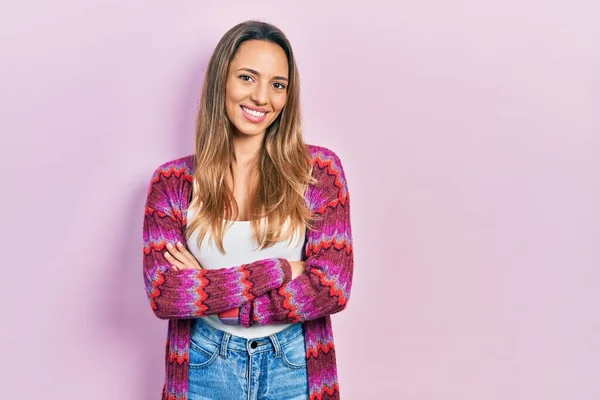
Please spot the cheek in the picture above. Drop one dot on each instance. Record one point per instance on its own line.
(229, 106)
(278, 102)
(232, 98)
(234, 93)
(229, 110)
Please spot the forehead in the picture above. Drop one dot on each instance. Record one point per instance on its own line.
(265, 57)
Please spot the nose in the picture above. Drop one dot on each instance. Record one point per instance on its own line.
(260, 95)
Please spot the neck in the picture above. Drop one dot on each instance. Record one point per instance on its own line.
(246, 148)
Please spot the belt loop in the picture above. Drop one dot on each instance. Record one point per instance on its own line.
(224, 342)
(275, 344)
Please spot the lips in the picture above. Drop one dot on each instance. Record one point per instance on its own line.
(253, 115)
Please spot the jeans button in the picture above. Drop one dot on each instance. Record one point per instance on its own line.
(253, 344)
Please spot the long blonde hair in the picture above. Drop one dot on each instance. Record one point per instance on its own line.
(282, 170)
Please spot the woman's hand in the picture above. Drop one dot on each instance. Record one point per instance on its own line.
(180, 257)
(298, 267)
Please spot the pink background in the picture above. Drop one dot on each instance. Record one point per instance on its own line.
(470, 136)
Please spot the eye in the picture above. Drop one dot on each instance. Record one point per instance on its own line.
(246, 78)
(281, 85)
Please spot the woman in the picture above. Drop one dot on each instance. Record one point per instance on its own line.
(247, 242)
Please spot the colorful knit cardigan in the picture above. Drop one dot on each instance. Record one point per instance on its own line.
(263, 289)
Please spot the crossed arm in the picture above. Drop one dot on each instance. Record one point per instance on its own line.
(263, 291)
(324, 288)
(181, 258)
(192, 293)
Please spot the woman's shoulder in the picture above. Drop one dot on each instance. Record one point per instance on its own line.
(178, 166)
(168, 176)
(166, 182)
(324, 154)
(328, 172)
(326, 158)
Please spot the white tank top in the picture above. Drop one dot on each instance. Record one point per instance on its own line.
(240, 247)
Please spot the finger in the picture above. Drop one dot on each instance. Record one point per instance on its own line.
(182, 258)
(181, 262)
(176, 253)
(185, 258)
(175, 263)
(183, 255)
(189, 256)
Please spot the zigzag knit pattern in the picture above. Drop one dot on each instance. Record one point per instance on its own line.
(263, 290)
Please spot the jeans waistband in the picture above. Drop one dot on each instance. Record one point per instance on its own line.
(238, 343)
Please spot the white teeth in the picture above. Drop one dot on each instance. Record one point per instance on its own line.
(252, 112)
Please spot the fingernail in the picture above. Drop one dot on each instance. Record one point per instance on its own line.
(179, 244)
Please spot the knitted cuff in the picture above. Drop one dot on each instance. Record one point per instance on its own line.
(268, 274)
(245, 316)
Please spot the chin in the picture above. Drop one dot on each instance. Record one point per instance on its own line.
(244, 127)
(249, 131)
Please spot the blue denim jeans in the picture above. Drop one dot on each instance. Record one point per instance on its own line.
(228, 367)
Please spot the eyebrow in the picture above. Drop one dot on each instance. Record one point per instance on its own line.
(252, 71)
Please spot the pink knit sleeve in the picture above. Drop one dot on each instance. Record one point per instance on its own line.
(324, 288)
(192, 293)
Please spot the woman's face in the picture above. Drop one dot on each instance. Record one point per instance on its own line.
(256, 89)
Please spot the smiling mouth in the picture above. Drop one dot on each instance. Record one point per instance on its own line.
(254, 113)
(254, 116)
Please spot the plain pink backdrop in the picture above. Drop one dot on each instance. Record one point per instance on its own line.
(470, 136)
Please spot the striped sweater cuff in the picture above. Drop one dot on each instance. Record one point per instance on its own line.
(268, 274)
(273, 267)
